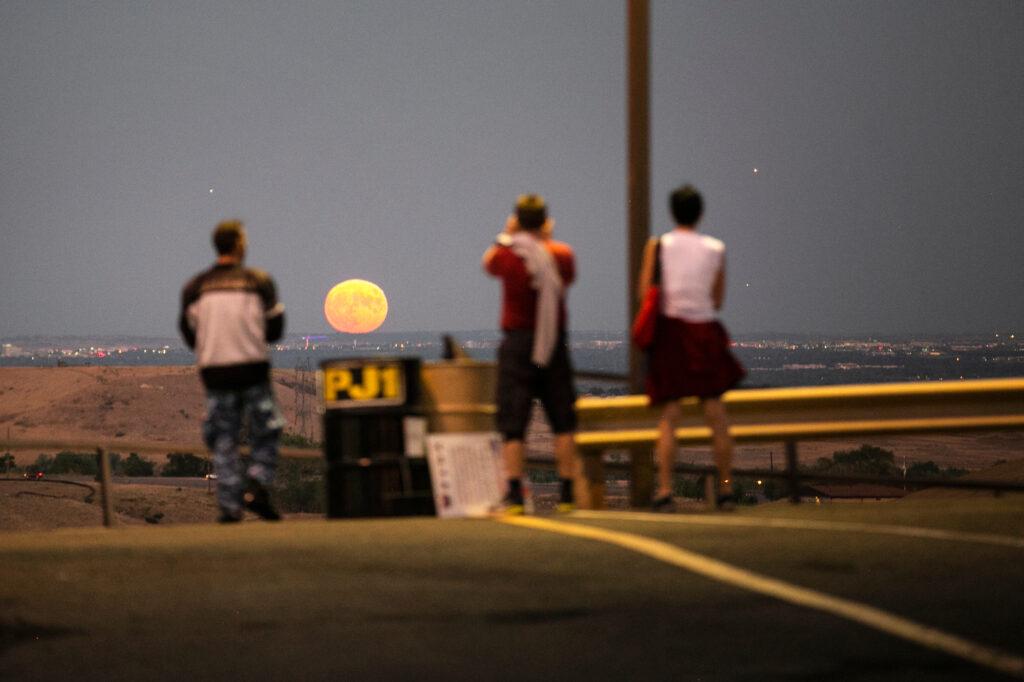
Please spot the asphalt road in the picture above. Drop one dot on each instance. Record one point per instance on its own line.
(480, 599)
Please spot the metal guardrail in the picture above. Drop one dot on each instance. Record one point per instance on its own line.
(785, 415)
(789, 415)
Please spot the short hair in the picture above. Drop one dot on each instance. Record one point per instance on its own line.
(531, 211)
(686, 204)
(226, 236)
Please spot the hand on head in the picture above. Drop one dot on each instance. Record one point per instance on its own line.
(547, 230)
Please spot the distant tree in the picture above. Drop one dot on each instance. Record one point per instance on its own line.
(867, 459)
(115, 461)
(136, 466)
(927, 469)
(930, 469)
(537, 475)
(773, 489)
(67, 462)
(185, 464)
(42, 464)
(691, 487)
(300, 486)
(295, 440)
(7, 462)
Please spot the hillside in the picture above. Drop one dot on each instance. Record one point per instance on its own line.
(146, 405)
(158, 406)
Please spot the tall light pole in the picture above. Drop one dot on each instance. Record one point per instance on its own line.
(638, 154)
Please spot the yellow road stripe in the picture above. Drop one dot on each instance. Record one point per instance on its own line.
(738, 577)
(795, 524)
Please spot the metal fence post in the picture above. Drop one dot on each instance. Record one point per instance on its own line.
(105, 493)
(793, 472)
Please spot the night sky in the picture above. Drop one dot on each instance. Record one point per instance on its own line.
(863, 161)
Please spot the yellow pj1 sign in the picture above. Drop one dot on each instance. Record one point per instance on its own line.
(361, 383)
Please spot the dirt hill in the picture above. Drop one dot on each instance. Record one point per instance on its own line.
(151, 406)
(162, 406)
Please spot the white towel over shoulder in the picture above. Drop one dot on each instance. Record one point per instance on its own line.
(545, 279)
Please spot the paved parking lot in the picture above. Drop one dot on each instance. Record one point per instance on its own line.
(481, 599)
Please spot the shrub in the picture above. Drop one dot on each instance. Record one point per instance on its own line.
(867, 459)
(300, 486)
(691, 487)
(774, 490)
(42, 464)
(295, 440)
(7, 462)
(537, 475)
(74, 463)
(927, 469)
(930, 469)
(136, 466)
(185, 464)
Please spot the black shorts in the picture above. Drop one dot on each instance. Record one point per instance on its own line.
(520, 381)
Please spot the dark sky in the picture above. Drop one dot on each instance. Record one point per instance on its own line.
(387, 140)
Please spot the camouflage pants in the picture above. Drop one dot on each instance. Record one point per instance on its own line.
(225, 411)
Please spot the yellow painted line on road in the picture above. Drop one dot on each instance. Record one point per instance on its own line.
(731, 575)
(796, 524)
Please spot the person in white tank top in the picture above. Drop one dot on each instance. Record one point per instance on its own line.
(692, 280)
(691, 265)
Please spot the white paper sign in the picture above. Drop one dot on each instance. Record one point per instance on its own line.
(415, 430)
(466, 473)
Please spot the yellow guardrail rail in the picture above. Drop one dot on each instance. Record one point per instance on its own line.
(785, 415)
(781, 414)
(789, 415)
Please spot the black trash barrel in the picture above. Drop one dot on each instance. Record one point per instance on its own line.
(374, 466)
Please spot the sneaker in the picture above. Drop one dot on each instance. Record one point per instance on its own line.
(257, 500)
(664, 504)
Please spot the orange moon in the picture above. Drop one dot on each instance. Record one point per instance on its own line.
(355, 306)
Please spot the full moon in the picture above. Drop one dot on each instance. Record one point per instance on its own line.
(355, 306)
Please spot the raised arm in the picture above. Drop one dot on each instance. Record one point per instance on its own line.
(511, 227)
(718, 288)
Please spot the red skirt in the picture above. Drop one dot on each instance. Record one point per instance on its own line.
(690, 359)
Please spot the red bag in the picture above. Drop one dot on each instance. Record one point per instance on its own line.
(646, 318)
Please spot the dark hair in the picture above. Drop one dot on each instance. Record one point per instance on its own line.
(226, 236)
(531, 211)
(686, 204)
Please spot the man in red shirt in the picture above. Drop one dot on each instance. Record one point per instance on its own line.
(533, 360)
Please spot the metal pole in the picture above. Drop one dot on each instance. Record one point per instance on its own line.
(105, 493)
(793, 471)
(638, 162)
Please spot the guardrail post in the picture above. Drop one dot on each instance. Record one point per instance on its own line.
(590, 484)
(711, 491)
(642, 474)
(105, 493)
(793, 472)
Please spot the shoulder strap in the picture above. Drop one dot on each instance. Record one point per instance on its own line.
(656, 279)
